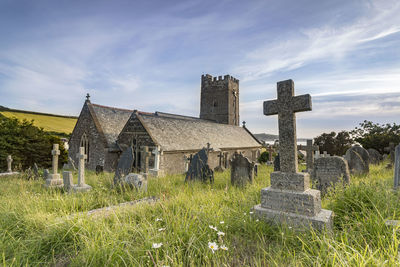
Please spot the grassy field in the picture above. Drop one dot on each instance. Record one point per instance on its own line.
(36, 229)
(48, 123)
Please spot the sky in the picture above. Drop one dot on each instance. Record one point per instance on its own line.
(150, 55)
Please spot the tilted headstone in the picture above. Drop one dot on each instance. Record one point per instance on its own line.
(309, 148)
(242, 170)
(53, 179)
(277, 165)
(68, 180)
(397, 167)
(374, 156)
(289, 199)
(70, 165)
(124, 166)
(199, 169)
(137, 181)
(9, 162)
(81, 186)
(356, 163)
(329, 171)
(36, 171)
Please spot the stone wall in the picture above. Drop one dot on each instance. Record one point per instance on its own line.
(97, 146)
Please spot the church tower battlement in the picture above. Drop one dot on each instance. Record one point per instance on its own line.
(219, 100)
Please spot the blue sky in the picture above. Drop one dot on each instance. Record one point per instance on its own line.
(150, 55)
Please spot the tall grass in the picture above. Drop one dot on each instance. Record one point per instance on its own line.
(36, 229)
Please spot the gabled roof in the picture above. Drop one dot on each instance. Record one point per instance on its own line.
(178, 133)
(109, 120)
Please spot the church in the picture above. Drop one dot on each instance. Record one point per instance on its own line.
(105, 132)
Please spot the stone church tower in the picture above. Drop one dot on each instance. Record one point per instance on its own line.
(220, 99)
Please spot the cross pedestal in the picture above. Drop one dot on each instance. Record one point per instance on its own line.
(309, 148)
(81, 186)
(53, 179)
(289, 199)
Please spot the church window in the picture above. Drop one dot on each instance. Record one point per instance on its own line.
(85, 144)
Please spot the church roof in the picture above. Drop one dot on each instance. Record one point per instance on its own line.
(176, 133)
(110, 120)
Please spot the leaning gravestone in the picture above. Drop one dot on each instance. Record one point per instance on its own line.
(137, 181)
(199, 169)
(242, 170)
(36, 171)
(397, 167)
(124, 166)
(53, 179)
(374, 156)
(68, 180)
(46, 174)
(362, 152)
(289, 199)
(356, 163)
(328, 171)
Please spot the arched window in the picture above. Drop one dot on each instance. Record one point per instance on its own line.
(85, 144)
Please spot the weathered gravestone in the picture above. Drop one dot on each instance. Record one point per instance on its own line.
(277, 164)
(81, 186)
(353, 160)
(145, 163)
(199, 169)
(397, 167)
(53, 179)
(68, 180)
(124, 166)
(36, 171)
(325, 155)
(289, 199)
(328, 171)
(70, 165)
(356, 163)
(242, 170)
(220, 168)
(137, 181)
(9, 162)
(309, 148)
(187, 160)
(45, 174)
(374, 156)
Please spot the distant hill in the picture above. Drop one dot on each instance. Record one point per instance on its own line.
(272, 137)
(49, 122)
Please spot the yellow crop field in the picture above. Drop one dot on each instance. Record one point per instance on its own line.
(48, 123)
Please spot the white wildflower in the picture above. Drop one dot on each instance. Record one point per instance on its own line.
(221, 233)
(213, 246)
(223, 247)
(161, 229)
(221, 222)
(213, 227)
(157, 245)
(251, 212)
(158, 219)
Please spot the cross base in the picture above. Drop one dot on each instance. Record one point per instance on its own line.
(54, 181)
(323, 220)
(83, 188)
(156, 173)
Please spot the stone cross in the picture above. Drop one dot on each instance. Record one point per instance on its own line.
(55, 152)
(146, 154)
(81, 166)
(87, 97)
(208, 148)
(244, 124)
(397, 167)
(270, 151)
(286, 107)
(289, 199)
(187, 160)
(156, 153)
(309, 148)
(220, 156)
(9, 161)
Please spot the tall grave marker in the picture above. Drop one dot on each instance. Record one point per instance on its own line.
(9, 162)
(289, 199)
(81, 186)
(397, 168)
(53, 179)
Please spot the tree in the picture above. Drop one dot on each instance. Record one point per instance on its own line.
(27, 144)
(375, 135)
(334, 144)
